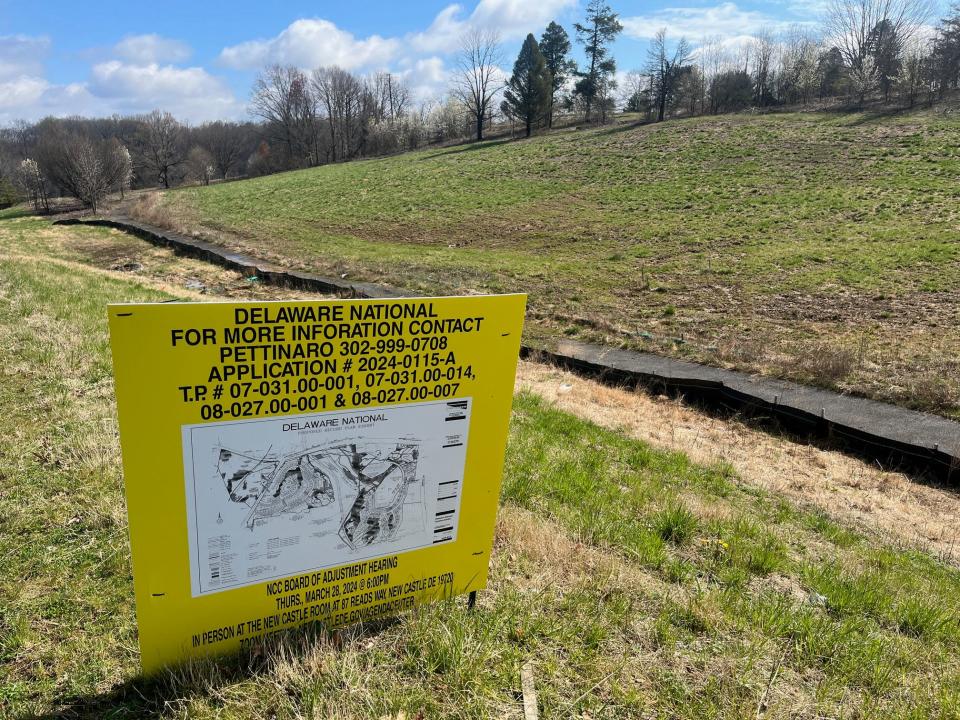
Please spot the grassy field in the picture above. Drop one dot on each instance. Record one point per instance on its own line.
(819, 247)
(638, 583)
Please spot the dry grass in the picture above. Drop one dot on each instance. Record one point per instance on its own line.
(116, 254)
(148, 208)
(826, 363)
(847, 489)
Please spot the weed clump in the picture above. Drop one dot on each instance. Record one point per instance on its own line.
(675, 524)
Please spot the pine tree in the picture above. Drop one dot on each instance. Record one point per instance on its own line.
(555, 44)
(596, 35)
(946, 52)
(529, 88)
(886, 46)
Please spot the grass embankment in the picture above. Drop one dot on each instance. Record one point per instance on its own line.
(638, 583)
(819, 247)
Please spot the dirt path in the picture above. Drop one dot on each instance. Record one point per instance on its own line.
(905, 512)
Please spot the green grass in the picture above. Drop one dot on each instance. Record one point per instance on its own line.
(776, 243)
(14, 212)
(639, 583)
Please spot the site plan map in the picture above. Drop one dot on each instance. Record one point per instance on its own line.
(280, 496)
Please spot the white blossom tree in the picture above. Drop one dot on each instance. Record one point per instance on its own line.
(33, 184)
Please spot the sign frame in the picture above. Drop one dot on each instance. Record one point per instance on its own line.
(317, 432)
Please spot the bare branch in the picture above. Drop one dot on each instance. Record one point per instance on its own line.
(478, 77)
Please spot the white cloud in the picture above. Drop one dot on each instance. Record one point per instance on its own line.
(427, 78)
(809, 8)
(147, 49)
(136, 84)
(311, 43)
(511, 18)
(24, 91)
(189, 93)
(725, 20)
(516, 18)
(21, 56)
(31, 98)
(444, 32)
(20, 92)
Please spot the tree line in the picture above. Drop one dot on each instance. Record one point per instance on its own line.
(868, 50)
(298, 120)
(90, 158)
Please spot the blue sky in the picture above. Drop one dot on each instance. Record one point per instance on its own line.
(198, 59)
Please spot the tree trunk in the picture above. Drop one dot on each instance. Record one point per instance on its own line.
(529, 125)
(333, 138)
(479, 126)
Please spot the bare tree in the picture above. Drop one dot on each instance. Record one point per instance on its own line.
(853, 24)
(200, 165)
(764, 57)
(713, 59)
(86, 168)
(743, 57)
(161, 139)
(665, 69)
(713, 56)
(228, 143)
(391, 96)
(340, 97)
(478, 77)
(283, 101)
(636, 86)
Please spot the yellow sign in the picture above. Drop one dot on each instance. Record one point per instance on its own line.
(296, 462)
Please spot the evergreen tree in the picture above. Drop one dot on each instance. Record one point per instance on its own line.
(830, 71)
(596, 34)
(638, 102)
(885, 46)
(529, 88)
(555, 44)
(731, 90)
(946, 52)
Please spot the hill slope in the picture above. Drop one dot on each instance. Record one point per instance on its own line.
(818, 247)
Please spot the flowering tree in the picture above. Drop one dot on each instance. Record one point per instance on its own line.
(31, 181)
